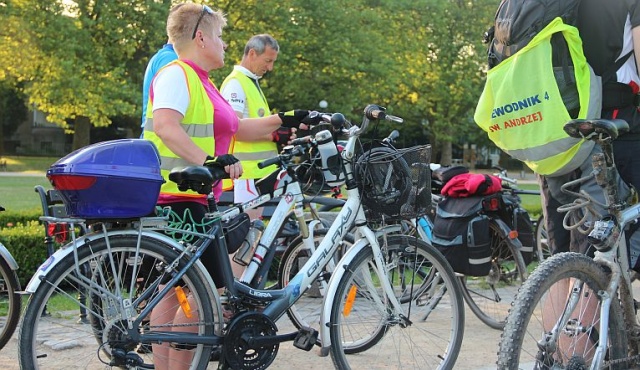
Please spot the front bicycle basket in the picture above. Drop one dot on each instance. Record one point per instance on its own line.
(395, 182)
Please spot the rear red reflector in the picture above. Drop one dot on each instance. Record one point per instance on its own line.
(491, 204)
(72, 182)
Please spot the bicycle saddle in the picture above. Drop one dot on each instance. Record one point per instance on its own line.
(197, 178)
(588, 128)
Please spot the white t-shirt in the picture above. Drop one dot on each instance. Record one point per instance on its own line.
(170, 89)
(234, 93)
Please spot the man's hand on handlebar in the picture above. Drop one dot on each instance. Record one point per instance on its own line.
(300, 118)
(283, 135)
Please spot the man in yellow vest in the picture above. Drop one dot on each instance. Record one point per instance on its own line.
(242, 90)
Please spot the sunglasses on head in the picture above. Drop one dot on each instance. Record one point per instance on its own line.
(205, 9)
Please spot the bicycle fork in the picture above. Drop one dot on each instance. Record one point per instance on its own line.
(549, 344)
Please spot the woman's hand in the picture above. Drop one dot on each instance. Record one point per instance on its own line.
(231, 164)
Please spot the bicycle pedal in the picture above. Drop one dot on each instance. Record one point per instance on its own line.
(306, 338)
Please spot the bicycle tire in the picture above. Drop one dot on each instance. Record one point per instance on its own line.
(50, 308)
(523, 332)
(542, 244)
(9, 302)
(430, 336)
(489, 297)
(306, 311)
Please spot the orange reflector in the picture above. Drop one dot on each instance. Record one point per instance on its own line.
(184, 303)
(348, 304)
(513, 234)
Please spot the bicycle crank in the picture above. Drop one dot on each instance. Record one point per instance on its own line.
(243, 348)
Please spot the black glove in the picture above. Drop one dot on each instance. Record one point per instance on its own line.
(293, 118)
(313, 118)
(282, 135)
(220, 161)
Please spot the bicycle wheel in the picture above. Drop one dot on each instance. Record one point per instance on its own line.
(428, 333)
(527, 341)
(489, 297)
(119, 273)
(9, 302)
(307, 309)
(542, 245)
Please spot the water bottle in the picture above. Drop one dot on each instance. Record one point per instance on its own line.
(330, 159)
(244, 254)
(426, 226)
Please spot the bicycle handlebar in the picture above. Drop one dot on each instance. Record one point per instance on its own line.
(289, 152)
(392, 137)
(373, 111)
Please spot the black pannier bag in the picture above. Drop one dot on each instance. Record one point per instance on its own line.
(462, 235)
(518, 219)
(524, 227)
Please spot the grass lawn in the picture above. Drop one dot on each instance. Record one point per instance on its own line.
(16, 190)
(531, 202)
(29, 164)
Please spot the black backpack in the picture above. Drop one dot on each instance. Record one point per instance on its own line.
(547, 83)
(518, 21)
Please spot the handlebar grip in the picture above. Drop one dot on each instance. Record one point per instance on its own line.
(373, 111)
(268, 162)
(392, 136)
(302, 140)
(218, 173)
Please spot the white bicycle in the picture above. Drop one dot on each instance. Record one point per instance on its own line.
(577, 312)
(378, 298)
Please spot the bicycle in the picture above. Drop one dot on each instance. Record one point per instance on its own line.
(488, 297)
(317, 208)
(510, 245)
(577, 312)
(127, 293)
(9, 297)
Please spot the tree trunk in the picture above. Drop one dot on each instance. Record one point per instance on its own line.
(82, 132)
(446, 153)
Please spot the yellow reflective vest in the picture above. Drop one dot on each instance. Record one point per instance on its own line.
(197, 123)
(250, 153)
(521, 108)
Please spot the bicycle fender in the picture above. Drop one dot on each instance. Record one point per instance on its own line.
(336, 276)
(61, 253)
(4, 253)
(504, 230)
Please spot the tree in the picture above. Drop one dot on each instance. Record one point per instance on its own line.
(81, 61)
(444, 66)
(13, 111)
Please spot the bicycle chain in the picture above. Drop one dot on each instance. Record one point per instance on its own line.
(629, 360)
(181, 325)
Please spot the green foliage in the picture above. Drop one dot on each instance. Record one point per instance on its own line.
(12, 218)
(25, 243)
(82, 58)
(423, 59)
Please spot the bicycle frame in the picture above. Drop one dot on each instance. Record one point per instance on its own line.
(352, 213)
(612, 254)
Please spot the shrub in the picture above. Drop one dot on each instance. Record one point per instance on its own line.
(25, 242)
(13, 218)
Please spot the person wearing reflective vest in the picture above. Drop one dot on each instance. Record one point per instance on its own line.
(525, 117)
(242, 90)
(524, 113)
(192, 124)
